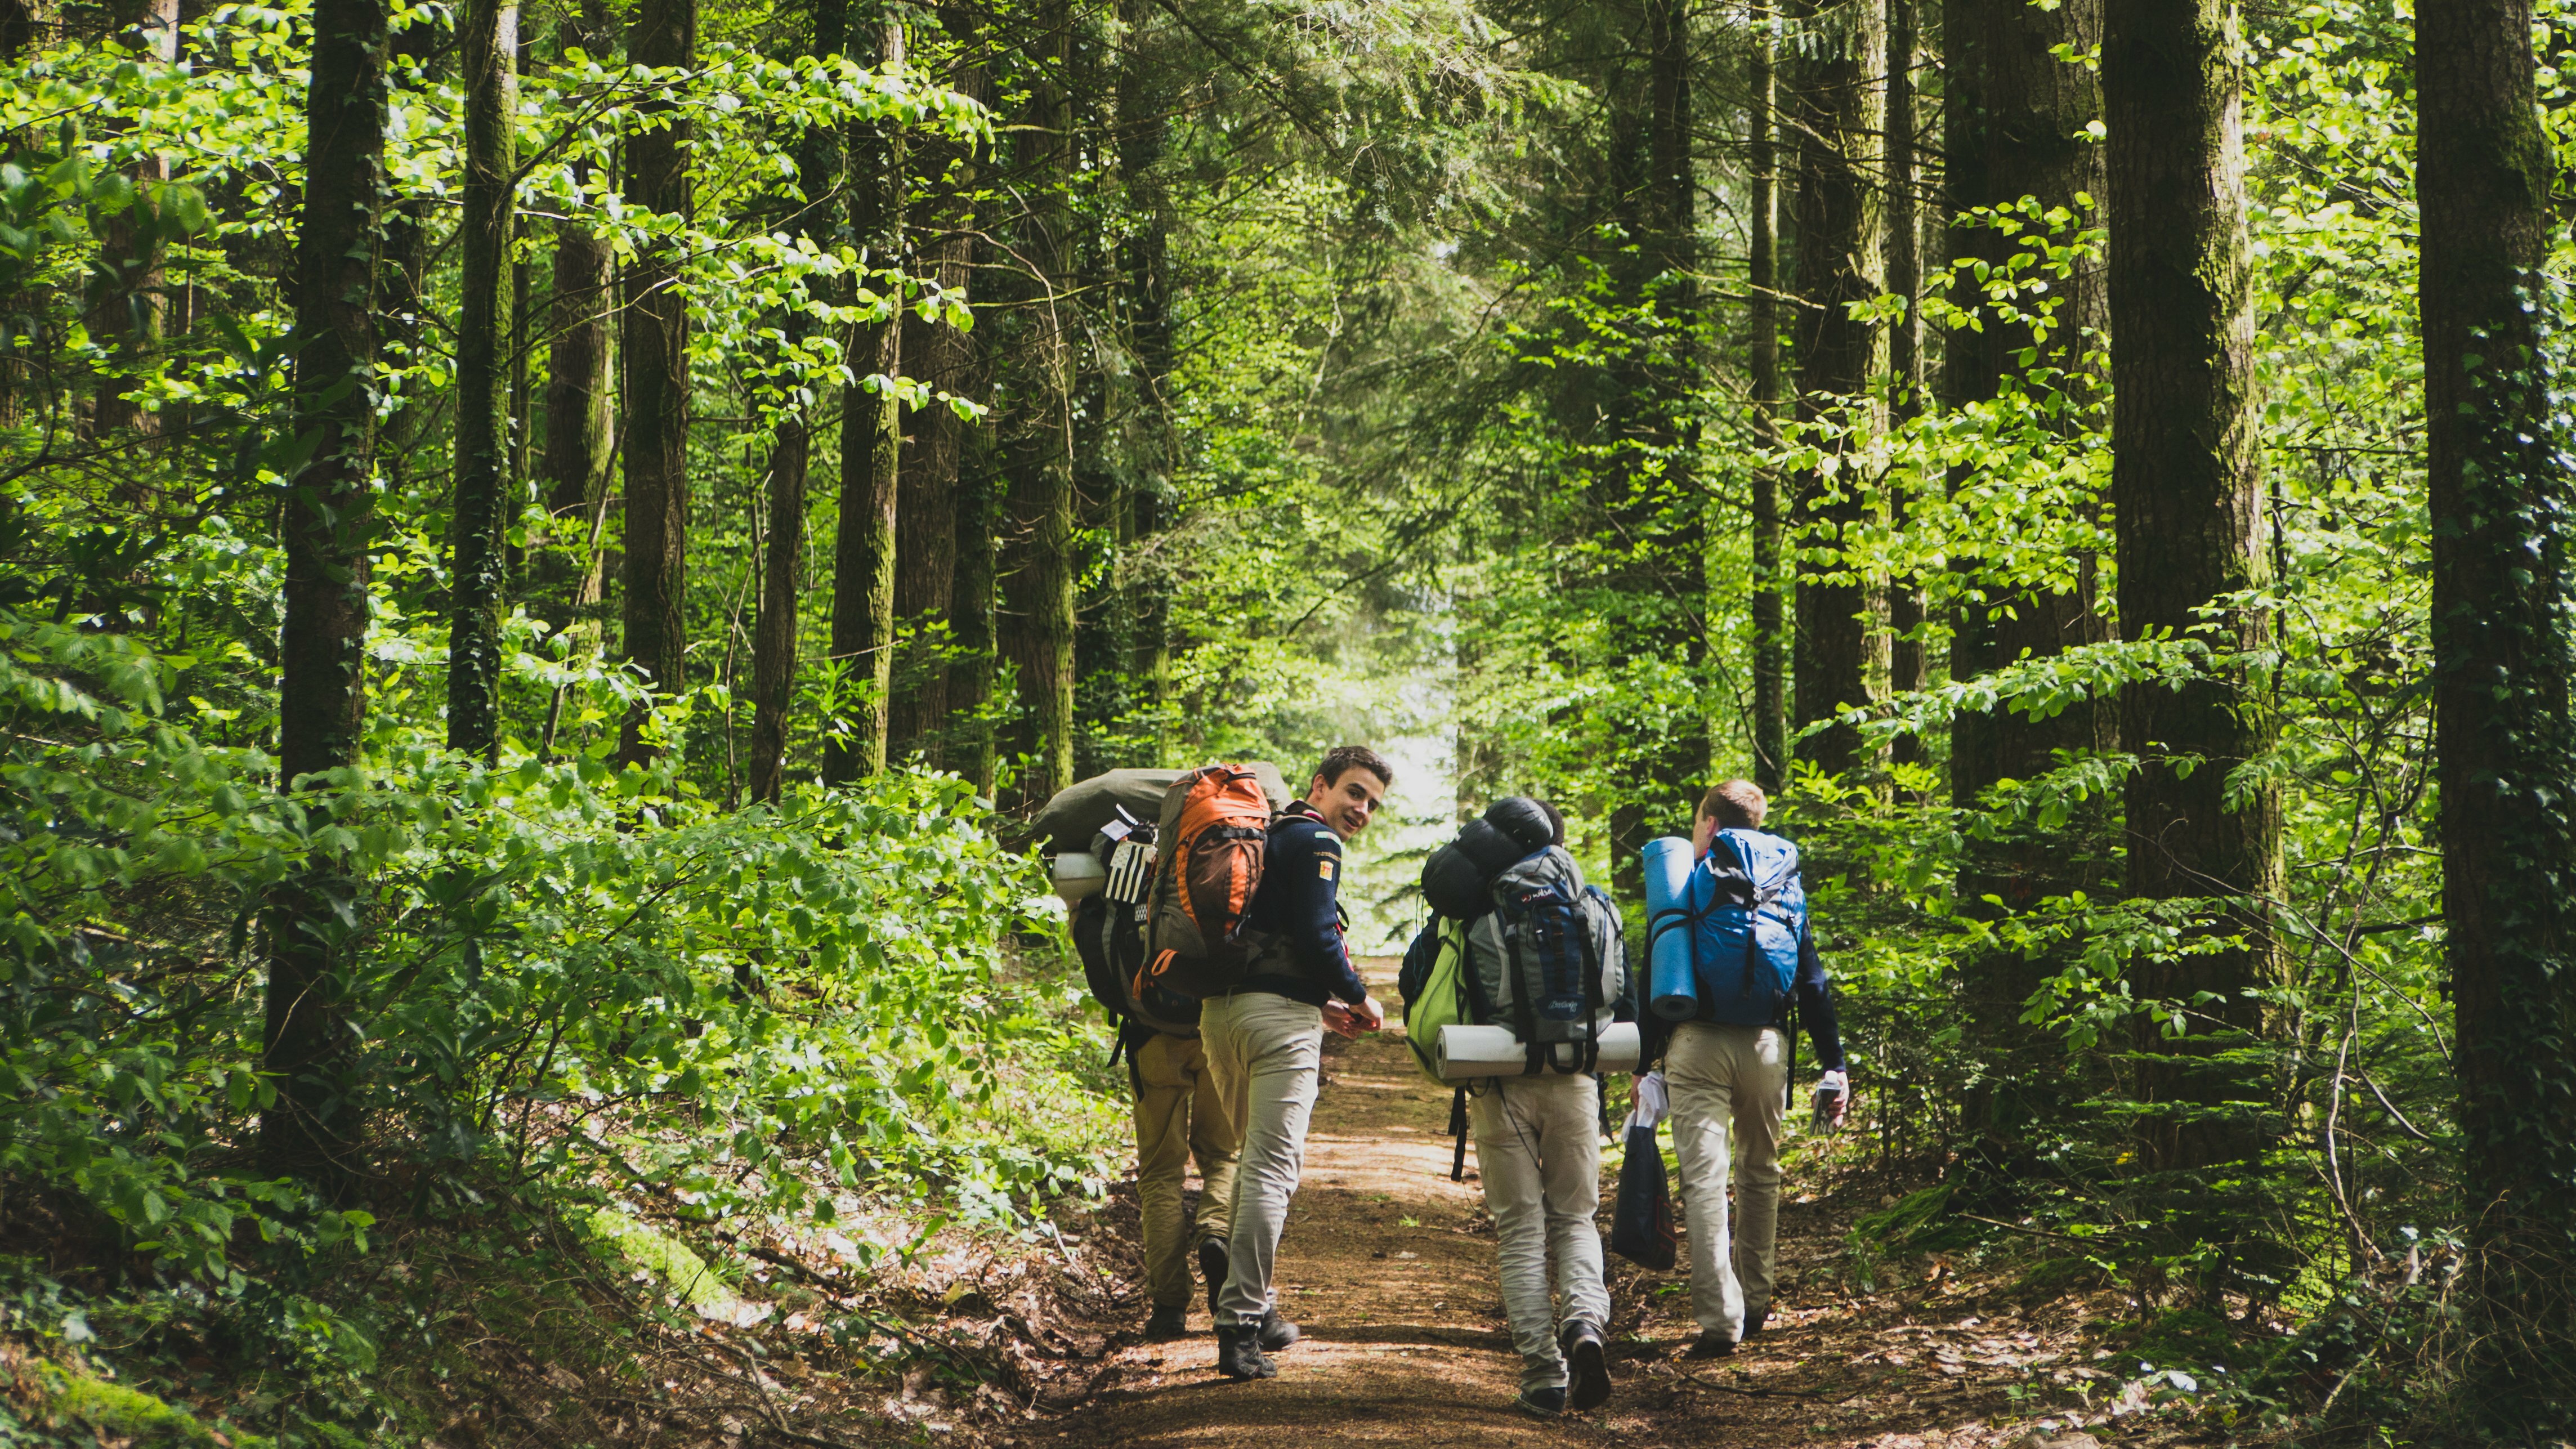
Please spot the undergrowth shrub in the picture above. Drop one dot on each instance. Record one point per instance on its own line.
(580, 988)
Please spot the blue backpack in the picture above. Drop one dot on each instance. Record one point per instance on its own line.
(1748, 911)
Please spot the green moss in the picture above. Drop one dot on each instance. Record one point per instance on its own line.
(643, 1246)
(117, 1411)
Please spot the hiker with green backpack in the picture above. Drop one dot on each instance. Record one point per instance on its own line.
(1519, 943)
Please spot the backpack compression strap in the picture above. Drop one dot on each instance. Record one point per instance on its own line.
(1458, 1129)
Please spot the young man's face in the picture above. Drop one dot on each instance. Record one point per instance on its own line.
(1703, 830)
(1349, 803)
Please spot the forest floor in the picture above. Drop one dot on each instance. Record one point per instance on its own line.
(1389, 1267)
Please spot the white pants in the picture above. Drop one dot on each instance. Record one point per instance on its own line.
(1538, 1152)
(1263, 1051)
(1726, 1083)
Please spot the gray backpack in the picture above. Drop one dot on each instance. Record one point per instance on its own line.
(1549, 959)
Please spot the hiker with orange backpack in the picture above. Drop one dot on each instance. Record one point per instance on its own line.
(1263, 1030)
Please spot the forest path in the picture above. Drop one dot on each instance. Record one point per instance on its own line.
(1389, 1268)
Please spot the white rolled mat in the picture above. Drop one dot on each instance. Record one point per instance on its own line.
(1468, 1052)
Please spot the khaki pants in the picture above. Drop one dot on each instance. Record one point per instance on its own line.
(1538, 1153)
(1179, 1116)
(1264, 1051)
(1725, 1084)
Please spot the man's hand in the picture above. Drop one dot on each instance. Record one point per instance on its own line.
(1833, 1098)
(1350, 1021)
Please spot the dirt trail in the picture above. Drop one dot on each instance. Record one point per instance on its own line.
(1389, 1267)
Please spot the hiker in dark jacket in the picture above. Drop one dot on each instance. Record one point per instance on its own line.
(1265, 1039)
(1728, 1086)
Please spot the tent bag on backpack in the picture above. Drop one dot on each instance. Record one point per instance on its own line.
(1748, 911)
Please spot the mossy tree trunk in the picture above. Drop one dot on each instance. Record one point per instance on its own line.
(2184, 486)
(654, 375)
(863, 548)
(314, 1129)
(478, 579)
(2501, 499)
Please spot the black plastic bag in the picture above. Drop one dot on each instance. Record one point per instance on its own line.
(1641, 1227)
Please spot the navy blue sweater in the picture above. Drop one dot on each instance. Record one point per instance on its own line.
(1298, 907)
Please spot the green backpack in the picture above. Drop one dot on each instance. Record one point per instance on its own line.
(1447, 997)
(1442, 1001)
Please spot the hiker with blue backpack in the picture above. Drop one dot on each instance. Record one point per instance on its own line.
(1730, 950)
(1512, 993)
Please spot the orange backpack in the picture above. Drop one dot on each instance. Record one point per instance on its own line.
(1215, 837)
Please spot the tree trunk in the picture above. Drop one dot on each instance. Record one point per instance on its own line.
(2184, 489)
(981, 498)
(773, 632)
(2017, 124)
(130, 306)
(655, 374)
(2501, 498)
(478, 586)
(863, 552)
(1038, 582)
(2017, 129)
(1904, 341)
(580, 421)
(402, 273)
(1834, 105)
(926, 503)
(1143, 105)
(313, 1130)
(1771, 571)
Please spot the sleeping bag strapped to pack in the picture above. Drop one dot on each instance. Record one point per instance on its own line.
(1457, 877)
(1212, 842)
(1746, 912)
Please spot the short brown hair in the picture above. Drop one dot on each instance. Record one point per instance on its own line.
(1735, 805)
(1340, 760)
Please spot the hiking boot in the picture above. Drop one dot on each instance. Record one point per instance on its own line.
(1754, 1318)
(1587, 1364)
(1710, 1345)
(1541, 1403)
(1238, 1355)
(1167, 1324)
(1212, 1268)
(1277, 1332)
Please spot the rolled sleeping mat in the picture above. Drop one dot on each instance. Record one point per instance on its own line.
(1672, 987)
(1469, 1052)
(1079, 873)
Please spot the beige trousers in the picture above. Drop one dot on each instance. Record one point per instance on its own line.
(1264, 1051)
(1538, 1153)
(1725, 1084)
(1179, 1116)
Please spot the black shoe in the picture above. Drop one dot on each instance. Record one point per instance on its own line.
(1238, 1355)
(1277, 1332)
(1541, 1403)
(1754, 1320)
(1587, 1362)
(1167, 1324)
(1212, 1268)
(1709, 1345)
